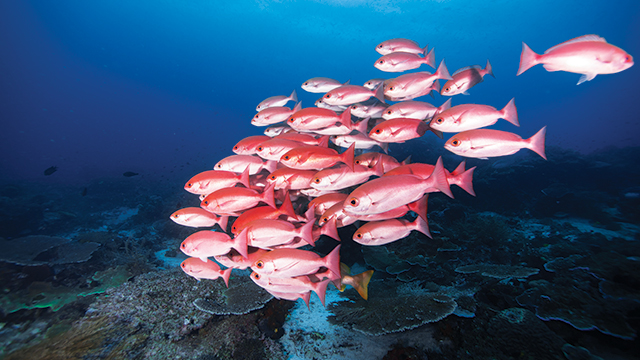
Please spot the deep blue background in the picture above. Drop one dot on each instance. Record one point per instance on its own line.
(102, 87)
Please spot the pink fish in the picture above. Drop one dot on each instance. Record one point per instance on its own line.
(413, 85)
(248, 145)
(374, 83)
(279, 100)
(209, 181)
(399, 130)
(337, 108)
(273, 149)
(466, 78)
(263, 212)
(389, 192)
(589, 55)
(296, 285)
(275, 130)
(324, 202)
(205, 243)
(361, 141)
(351, 94)
(383, 232)
(473, 116)
(274, 115)
(337, 214)
(198, 217)
(368, 109)
(317, 118)
(208, 269)
(230, 201)
(400, 45)
(321, 85)
(236, 261)
(315, 157)
(371, 159)
(305, 139)
(287, 263)
(460, 177)
(485, 143)
(291, 179)
(419, 207)
(342, 177)
(267, 233)
(414, 110)
(239, 163)
(402, 61)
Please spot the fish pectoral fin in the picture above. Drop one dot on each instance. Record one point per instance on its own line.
(465, 93)
(586, 77)
(289, 266)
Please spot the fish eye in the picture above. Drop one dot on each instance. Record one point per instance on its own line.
(327, 96)
(305, 84)
(183, 265)
(206, 202)
(359, 235)
(357, 162)
(234, 228)
(259, 264)
(391, 88)
(286, 157)
(380, 46)
(381, 62)
(389, 112)
(291, 119)
(439, 120)
(176, 216)
(378, 131)
(184, 246)
(316, 180)
(272, 177)
(260, 148)
(455, 142)
(189, 185)
(235, 147)
(447, 89)
(219, 166)
(354, 202)
(256, 276)
(325, 219)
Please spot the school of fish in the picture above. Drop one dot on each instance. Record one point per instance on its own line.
(285, 189)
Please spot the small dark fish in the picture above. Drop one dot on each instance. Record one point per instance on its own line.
(50, 170)
(84, 192)
(129, 174)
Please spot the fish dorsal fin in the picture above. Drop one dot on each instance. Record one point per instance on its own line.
(577, 40)
(477, 67)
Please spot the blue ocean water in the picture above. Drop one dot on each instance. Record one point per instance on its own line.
(164, 89)
(97, 88)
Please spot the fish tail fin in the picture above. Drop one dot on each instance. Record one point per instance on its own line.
(226, 274)
(379, 93)
(287, 207)
(536, 142)
(442, 72)
(488, 69)
(244, 178)
(422, 225)
(438, 133)
(528, 58)
(464, 180)
(361, 283)
(430, 58)
(321, 289)
(510, 113)
(435, 88)
(293, 96)
(240, 243)
(223, 221)
(324, 141)
(330, 229)
(443, 107)
(345, 118)
(306, 233)
(298, 107)
(306, 297)
(362, 126)
(268, 196)
(347, 156)
(332, 262)
(406, 161)
(420, 207)
(439, 176)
